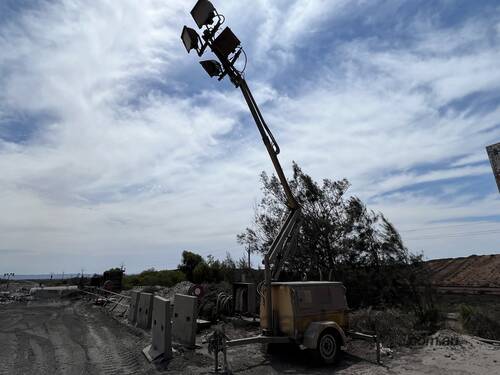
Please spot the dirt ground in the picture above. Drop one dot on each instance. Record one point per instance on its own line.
(463, 356)
(475, 359)
(66, 338)
(79, 338)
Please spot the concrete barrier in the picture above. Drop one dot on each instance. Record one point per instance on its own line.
(132, 310)
(184, 320)
(161, 331)
(145, 310)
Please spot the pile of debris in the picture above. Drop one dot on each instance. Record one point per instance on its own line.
(5, 298)
(20, 295)
(181, 288)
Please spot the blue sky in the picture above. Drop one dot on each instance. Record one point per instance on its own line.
(116, 147)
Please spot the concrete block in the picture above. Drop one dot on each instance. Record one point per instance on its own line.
(145, 310)
(132, 309)
(161, 331)
(184, 320)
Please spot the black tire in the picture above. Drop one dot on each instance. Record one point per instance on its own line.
(273, 348)
(328, 349)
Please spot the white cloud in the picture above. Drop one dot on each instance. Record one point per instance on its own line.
(381, 120)
(417, 216)
(274, 29)
(123, 170)
(473, 158)
(100, 162)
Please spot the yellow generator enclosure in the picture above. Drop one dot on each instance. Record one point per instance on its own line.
(298, 304)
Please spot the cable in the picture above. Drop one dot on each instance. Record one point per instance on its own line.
(220, 16)
(246, 60)
(456, 235)
(448, 226)
(261, 119)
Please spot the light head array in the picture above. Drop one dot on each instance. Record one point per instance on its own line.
(224, 45)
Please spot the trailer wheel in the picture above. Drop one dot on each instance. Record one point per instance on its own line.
(328, 349)
(273, 348)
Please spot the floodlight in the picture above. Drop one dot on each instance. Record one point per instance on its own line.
(203, 13)
(189, 38)
(226, 43)
(212, 67)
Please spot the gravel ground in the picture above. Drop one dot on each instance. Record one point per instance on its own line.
(79, 338)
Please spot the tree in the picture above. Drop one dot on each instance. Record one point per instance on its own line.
(339, 238)
(202, 273)
(211, 270)
(189, 262)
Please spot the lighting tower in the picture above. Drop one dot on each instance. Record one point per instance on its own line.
(227, 48)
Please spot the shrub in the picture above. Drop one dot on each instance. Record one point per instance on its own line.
(192, 268)
(394, 327)
(166, 278)
(479, 322)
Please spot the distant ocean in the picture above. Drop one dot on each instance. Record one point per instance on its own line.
(55, 276)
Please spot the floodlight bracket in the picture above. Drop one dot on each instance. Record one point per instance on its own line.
(207, 37)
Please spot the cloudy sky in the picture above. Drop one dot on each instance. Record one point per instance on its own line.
(115, 146)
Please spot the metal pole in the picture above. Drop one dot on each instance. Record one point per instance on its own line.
(224, 354)
(273, 150)
(252, 105)
(291, 201)
(378, 349)
(269, 307)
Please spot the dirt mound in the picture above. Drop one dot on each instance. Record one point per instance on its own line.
(472, 271)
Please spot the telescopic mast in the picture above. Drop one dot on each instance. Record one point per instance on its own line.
(226, 47)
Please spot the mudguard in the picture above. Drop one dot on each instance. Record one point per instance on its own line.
(312, 333)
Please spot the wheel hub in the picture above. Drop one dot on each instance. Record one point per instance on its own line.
(327, 346)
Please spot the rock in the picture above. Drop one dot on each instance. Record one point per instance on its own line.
(385, 351)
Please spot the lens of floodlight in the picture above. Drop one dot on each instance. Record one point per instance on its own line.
(226, 43)
(203, 13)
(212, 67)
(189, 38)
